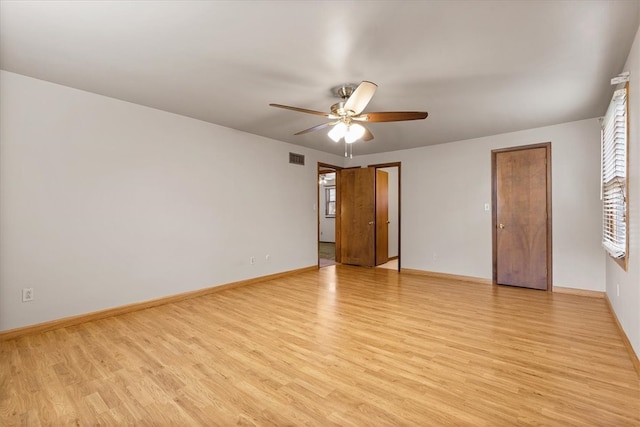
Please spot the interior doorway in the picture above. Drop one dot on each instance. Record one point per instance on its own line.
(336, 217)
(393, 223)
(328, 215)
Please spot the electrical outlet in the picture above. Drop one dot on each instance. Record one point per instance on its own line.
(252, 260)
(487, 207)
(435, 256)
(267, 257)
(27, 294)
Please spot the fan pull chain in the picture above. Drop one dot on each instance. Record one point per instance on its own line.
(348, 152)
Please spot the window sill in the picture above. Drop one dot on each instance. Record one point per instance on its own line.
(622, 262)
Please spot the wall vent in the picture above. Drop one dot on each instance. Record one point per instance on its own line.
(296, 159)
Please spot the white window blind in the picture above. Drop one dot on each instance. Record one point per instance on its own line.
(614, 176)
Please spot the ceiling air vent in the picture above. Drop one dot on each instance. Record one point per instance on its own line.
(296, 159)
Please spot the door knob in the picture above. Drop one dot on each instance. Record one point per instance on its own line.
(370, 222)
(501, 226)
(388, 222)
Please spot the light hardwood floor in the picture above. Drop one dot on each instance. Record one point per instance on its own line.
(337, 346)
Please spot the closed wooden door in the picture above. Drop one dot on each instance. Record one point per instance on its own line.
(357, 216)
(522, 223)
(382, 217)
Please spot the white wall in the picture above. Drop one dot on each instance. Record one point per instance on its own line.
(444, 188)
(327, 224)
(627, 305)
(106, 203)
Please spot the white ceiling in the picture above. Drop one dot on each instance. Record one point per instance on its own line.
(478, 67)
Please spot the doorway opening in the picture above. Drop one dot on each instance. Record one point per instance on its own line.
(328, 215)
(392, 230)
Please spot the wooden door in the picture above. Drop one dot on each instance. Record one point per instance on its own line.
(357, 216)
(522, 217)
(382, 217)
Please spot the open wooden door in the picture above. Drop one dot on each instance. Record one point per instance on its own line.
(522, 216)
(382, 217)
(357, 216)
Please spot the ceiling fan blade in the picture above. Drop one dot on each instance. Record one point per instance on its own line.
(368, 136)
(360, 97)
(315, 128)
(392, 116)
(301, 110)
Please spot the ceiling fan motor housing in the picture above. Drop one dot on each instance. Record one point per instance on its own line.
(344, 91)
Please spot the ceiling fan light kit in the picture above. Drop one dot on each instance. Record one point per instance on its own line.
(350, 132)
(337, 132)
(350, 109)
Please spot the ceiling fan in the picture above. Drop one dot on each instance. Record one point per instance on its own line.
(346, 114)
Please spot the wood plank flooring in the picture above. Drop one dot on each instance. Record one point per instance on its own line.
(338, 346)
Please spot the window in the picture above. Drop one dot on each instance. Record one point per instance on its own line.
(614, 177)
(330, 201)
